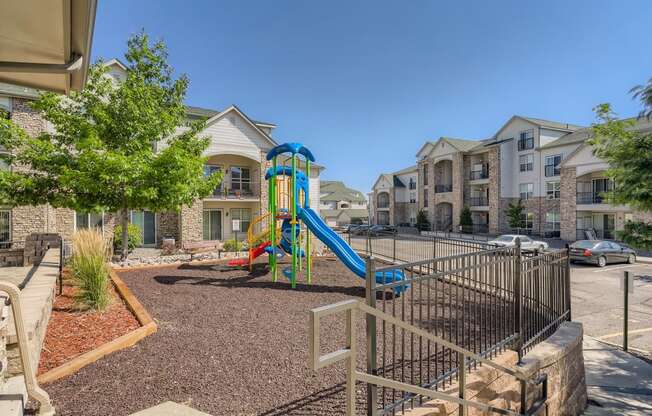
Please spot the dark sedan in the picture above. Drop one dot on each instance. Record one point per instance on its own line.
(601, 252)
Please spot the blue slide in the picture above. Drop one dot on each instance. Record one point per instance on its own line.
(342, 250)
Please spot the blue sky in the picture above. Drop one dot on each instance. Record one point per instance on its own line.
(363, 84)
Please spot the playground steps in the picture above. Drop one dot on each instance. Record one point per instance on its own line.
(169, 409)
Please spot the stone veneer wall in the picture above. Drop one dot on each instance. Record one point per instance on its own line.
(495, 208)
(458, 188)
(167, 226)
(568, 204)
(560, 357)
(190, 223)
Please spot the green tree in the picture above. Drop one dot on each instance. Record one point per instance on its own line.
(103, 153)
(466, 219)
(422, 221)
(515, 214)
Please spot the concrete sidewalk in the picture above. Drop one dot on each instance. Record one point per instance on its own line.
(617, 382)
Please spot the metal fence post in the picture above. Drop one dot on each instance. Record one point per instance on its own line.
(518, 299)
(394, 248)
(567, 275)
(462, 408)
(626, 312)
(372, 389)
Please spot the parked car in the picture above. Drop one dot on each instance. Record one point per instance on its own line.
(601, 253)
(377, 230)
(349, 228)
(360, 230)
(527, 244)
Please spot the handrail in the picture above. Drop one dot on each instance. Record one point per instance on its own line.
(33, 389)
(465, 357)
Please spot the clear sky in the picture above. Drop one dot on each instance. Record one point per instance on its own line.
(364, 83)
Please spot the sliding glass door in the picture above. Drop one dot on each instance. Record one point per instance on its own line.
(146, 221)
(212, 220)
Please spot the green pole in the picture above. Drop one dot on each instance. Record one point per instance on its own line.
(293, 207)
(307, 204)
(272, 222)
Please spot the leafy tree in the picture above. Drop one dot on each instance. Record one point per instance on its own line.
(644, 94)
(422, 221)
(637, 234)
(102, 155)
(515, 214)
(466, 219)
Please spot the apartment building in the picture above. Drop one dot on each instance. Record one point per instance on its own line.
(238, 146)
(547, 165)
(340, 205)
(395, 198)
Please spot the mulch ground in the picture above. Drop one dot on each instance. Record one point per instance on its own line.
(231, 342)
(72, 332)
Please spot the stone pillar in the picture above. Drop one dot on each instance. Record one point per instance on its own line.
(392, 208)
(263, 185)
(167, 226)
(568, 203)
(458, 188)
(495, 211)
(191, 222)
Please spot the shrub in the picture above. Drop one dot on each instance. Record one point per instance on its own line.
(134, 240)
(466, 220)
(233, 245)
(89, 269)
(422, 221)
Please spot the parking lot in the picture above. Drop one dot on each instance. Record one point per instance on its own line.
(597, 302)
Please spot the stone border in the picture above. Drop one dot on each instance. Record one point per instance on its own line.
(148, 327)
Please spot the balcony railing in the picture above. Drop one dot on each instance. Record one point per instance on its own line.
(440, 189)
(225, 192)
(479, 174)
(589, 198)
(591, 233)
(479, 201)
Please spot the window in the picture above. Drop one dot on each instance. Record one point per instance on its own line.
(412, 183)
(5, 228)
(88, 219)
(526, 190)
(209, 170)
(242, 214)
(212, 224)
(552, 220)
(413, 197)
(552, 165)
(528, 221)
(425, 174)
(526, 140)
(526, 162)
(553, 190)
(383, 200)
(425, 198)
(240, 180)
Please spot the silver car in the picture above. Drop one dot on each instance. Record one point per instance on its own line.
(527, 244)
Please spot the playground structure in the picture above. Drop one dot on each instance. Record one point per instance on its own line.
(288, 225)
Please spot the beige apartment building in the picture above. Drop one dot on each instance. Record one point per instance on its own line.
(238, 146)
(547, 165)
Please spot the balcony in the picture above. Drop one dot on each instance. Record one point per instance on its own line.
(475, 175)
(478, 201)
(234, 191)
(589, 198)
(440, 189)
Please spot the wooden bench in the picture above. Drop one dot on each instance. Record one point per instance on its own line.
(198, 247)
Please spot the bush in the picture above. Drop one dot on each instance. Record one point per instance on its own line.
(89, 269)
(422, 221)
(233, 245)
(134, 240)
(466, 220)
(637, 234)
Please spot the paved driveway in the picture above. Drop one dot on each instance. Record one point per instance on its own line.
(597, 302)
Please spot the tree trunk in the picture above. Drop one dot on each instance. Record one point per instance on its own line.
(125, 234)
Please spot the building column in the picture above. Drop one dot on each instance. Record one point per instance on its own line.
(458, 188)
(191, 222)
(494, 190)
(568, 203)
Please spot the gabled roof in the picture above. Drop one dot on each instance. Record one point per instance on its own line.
(200, 112)
(235, 109)
(578, 136)
(552, 125)
(461, 145)
(410, 169)
(337, 191)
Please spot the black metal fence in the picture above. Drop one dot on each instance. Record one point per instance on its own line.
(405, 248)
(485, 301)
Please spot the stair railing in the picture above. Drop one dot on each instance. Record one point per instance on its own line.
(465, 357)
(33, 390)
